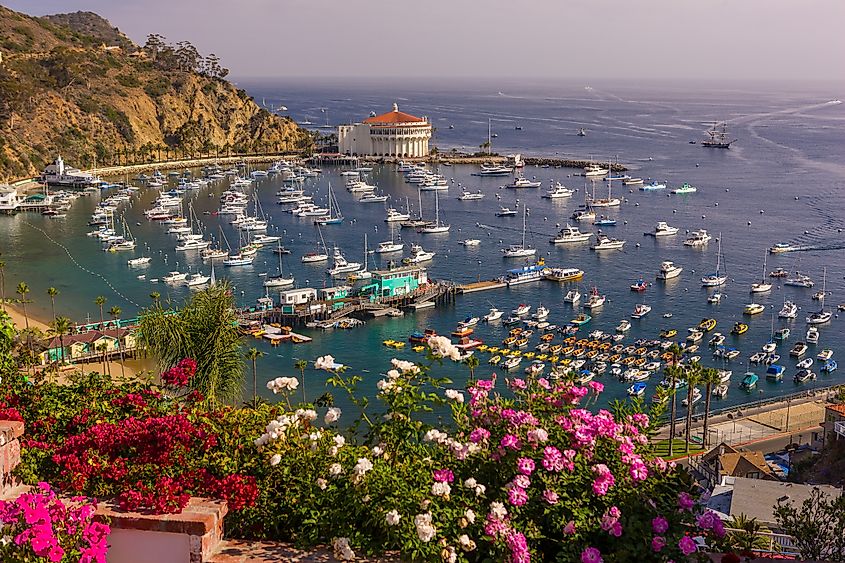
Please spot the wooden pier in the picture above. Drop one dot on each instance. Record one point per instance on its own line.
(481, 286)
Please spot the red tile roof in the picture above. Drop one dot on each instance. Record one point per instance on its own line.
(393, 117)
(840, 408)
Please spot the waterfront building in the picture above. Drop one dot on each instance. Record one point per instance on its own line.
(88, 344)
(727, 461)
(396, 282)
(9, 199)
(59, 174)
(395, 133)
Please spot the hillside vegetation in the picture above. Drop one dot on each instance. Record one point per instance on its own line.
(73, 84)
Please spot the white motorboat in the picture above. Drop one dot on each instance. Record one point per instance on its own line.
(173, 277)
(314, 257)
(812, 336)
(572, 296)
(663, 229)
(788, 311)
(521, 310)
(684, 189)
(238, 260)
(505, 212)
(493, 170)
(623, 326)
(669, 270)
(471, 242)
(143, 260)
(470, 196)
(595, 300)
(782, 247)
(196, 280)
(698, 238)
(493, 315)
(419, 254)
(718, 277)
(632, 181)
(604, 242)
(800, 280)
(558, 191)
(340, 265)
(520, 250)
(652, 186)
(372, 198)
(821, 316)
(586, 214)
(595, 170)
(696, 396)
(193, 244)
(571, 234)
(753, 309)
(394, 216)
(640, 311)
(541, 314)
(389, 246)
(521, 182)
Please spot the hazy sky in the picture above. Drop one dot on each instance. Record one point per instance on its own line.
(628, 39)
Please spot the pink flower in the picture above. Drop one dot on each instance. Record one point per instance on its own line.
(511, 441)
(522, 481)
(659, 525)
(552, 459)
(686, 545)
(551, 497)
(685, 501)
(719, 528)
(479, 435)
(538, 435)
(658, 543)
(517, 383)
(486, 384)
(444, 476)
(604, 479)
(544, 383)
(596, 387)
(525, 465)
(639, 472)
(518, 546)
(591, 555)
(517, 496)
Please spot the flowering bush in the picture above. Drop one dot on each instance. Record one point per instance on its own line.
(40, 526)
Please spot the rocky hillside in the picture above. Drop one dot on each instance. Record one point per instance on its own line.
(74, 85)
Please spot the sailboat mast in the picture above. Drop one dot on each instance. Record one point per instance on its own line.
(436, 209)
(524, 214)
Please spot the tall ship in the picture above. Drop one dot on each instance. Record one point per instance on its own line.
(58, 174)
(717, 138)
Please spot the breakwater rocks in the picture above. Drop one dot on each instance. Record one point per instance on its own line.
(567, 163)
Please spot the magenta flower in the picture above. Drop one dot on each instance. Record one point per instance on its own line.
(517, 383)
(551, 497)
(639, 472)
(518, 546)
(685, 501)
(658, 543)
(522, 481)
(659, 525)
(517, 496)
(511, 441)
(569, 529)
(479, 435)
(525, 465)
(604, 479)
(596, 387)
(443, 475)
(552, 459)
(686, 545)
(591, 555)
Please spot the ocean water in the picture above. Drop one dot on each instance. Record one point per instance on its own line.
(783, 180)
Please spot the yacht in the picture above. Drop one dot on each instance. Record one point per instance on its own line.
(800, 348)
(663, 229)
(493, 170)
(812, 335)
(563, 274)
(279, 280)
(394, 215)
(718, 277)
(213, 253)
(596, 300)
(196, 280)
(632, 182)
(571, 234)
(314, 257)
(521, 310)
(139, 261)
(471, 242)
(522, 182)
(684, 189)
(558, 191)
(640, 311)
(753, 309)
(340, 265)
(526, 274)
(595, 170)
(389, 246)
(238, 260)
(788, 311)
(419, 254)
(193, 244)
(505, 212)
(173, 277)
(652, 186)
(800, 280)
(697, 238)
(493, 315)
(372, 198)
(668, 270)
(541, 314)
(469, 196)
(606, 243)
(572, 296)
(623, 326)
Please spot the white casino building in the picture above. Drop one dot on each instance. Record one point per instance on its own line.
(390, 134)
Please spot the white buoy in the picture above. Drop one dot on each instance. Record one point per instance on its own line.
(637, 204)
(761, 212)
(704, 216)
(624, 222)
(638, 245)
(749, 222)
(717, 204)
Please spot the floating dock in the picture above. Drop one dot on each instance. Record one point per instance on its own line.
(481, 286)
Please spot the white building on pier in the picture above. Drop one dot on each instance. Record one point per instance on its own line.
(395, 133)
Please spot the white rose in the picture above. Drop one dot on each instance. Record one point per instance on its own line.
(275, 459)
(324, 362)
(332, 415)
(322, 483)
(392, 518)
(470, 515)
(440, 489)
(342, 551)
(455, 395)
(335, 469)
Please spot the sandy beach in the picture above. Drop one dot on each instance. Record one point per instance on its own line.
(131, 367)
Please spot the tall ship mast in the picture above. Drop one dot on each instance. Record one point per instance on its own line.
(717, 138)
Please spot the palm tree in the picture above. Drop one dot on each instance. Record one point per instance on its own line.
(472, 362)
(53, 292)
(672, 374)
(100, 301)
(155, 296)
(114, 313)
(693, 373)
(3, 283)
(102, 348)
(301, 365)
(252, 355)
(205, 329)
(749, 534)
(60, 327)
(22, 290)
(710, 377)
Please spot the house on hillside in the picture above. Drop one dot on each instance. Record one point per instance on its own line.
(834, 423)
(726, 461)
(87, 344)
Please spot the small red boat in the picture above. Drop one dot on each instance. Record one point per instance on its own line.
(640, 286)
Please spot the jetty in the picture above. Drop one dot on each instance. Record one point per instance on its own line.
(484, 285)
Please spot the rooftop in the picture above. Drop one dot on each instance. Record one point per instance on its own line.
(393, 117)
(838, 408)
